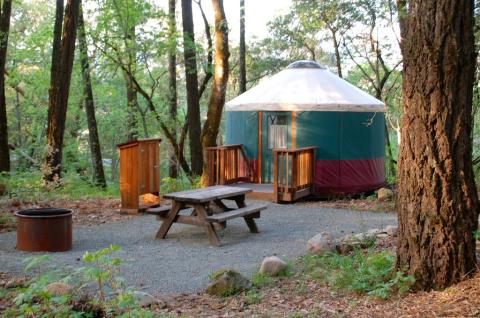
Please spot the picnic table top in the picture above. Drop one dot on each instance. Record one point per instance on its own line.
(207, 194)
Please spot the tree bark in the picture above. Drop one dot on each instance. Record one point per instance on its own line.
(338, 60)
(191, 79)
(132, 99)
(437, 200)
(94, 141)
(172, 82)
(220, 80)
(209, 67)
(56, 46)
(59, 92)
(242, 81)
(4, 31)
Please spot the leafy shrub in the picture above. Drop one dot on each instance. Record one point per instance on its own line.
(363, 272)
(260, 280)
(253, 297)
(30, 186)
(181, 183)
(112, 299)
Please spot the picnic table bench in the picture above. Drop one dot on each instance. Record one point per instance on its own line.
(209, 211)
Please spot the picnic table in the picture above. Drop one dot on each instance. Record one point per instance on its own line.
(209, 210)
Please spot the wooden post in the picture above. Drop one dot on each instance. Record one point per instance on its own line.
(294, 130)
(275, 176)
(260, 134)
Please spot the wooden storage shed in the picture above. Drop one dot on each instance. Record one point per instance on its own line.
(139, 174)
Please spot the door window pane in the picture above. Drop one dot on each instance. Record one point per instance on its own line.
(277, 131)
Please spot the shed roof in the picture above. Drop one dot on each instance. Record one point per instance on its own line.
(305, 86)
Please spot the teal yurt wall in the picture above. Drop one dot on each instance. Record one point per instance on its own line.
(242, 128)
(350, 153)
(351, 150)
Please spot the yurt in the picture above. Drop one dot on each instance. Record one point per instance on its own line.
(306, 105)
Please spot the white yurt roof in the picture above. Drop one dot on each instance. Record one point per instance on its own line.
(305, 86)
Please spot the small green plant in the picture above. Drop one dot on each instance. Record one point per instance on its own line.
(476, 234)
(253, 297)
(104, 270)
(7, 221)
(363, 272)
(287, 271)
(301, 288)
(31, 187)
(181, 183)
(260, 280)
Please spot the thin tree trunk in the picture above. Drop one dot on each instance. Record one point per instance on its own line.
(191, 79)
(338, 60)
(437, 199)
(388, 144)
(209, 66)
(220, 80)
(132, 99)
(172, 82)
(4, 31)
(59, 93)
(242, 81)
(391, 160)
(56, 46)
(94, 141)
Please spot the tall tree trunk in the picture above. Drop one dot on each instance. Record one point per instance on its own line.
(191, 79)
(338, 58)
(132, 103)
(56, 47)
(172, 81)
(391, 160)
(4, 31)
(94, 141)
(220, 80)
(242, 81)
(59, 92)
(437, 199)
(132, 98)
(388, 144)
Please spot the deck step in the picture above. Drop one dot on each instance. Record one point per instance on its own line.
(161, 210)
(246, 211)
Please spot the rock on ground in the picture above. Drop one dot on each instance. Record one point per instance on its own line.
(144, 299)
(384, 194)
(391, 230)
(58, 289)
(321, 243)
(227, 282)
(272, 265)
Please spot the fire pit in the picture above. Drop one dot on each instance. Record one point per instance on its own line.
(44, 230)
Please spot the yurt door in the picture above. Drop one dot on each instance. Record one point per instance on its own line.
(276, 128)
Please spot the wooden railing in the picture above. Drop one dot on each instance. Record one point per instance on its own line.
(293, 173)
(228, 164)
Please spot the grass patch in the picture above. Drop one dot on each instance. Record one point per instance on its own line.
(253, 297)
(30, 186)
(97, 290)
(287, 271)
(260, 280)
(364, 272)
(7, 221)
(181, 183)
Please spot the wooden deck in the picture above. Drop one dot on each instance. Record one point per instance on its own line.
(293, 172)
(260, 191)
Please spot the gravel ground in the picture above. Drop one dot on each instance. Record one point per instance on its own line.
(183, 261)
